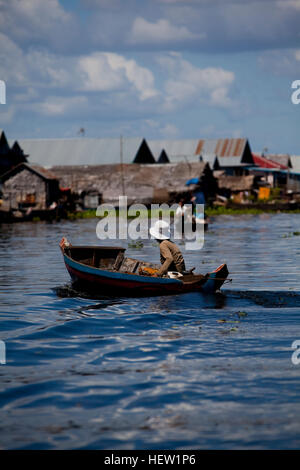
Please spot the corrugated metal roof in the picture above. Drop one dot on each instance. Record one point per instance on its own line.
(295, 160)
(232, 150)
(222, 147)
(264, 162)
(230, 162)
(212, 159)
(173, 148)
(79, 151)
(42, 172)
(92, 151)
(184, 158)
(283, 159)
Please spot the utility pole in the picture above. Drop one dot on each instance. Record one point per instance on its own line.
(122, 167)
(123, 199)
(288, 177)
(188, 164)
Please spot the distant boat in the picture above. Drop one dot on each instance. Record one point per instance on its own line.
(106, 269)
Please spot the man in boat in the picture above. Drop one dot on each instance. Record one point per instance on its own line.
(170, 256)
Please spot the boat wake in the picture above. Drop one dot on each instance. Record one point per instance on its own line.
(69, 290)
(269, 299)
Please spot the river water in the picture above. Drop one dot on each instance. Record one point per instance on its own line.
(173, 372)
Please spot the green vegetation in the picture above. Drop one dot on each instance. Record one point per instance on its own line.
(209, 211)
(88, 214)
(241, 314)
(91, 213)
(291, 234)
(222, 210)
(275, 194)
(231, 318)
(138, 245)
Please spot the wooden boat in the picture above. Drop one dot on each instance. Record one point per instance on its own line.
(106, 269)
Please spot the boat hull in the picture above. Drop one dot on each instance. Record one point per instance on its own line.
(117, 283)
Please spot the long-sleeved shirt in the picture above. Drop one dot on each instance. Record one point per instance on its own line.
(170, 258)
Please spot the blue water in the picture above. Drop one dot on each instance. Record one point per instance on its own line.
(174, 372)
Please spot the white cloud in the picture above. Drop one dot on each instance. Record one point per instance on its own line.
(53, 84)
(108, 71)
(219, 97)
(162, 31)
(106, 25)
(34, 19)
(189, 84)
(102, 3)
(58, 106)
(169, 131)
(35, 67)
(98, 74)
(29, 94)
(280, 62)
(140, 77)
(7, 114)
(295, 4)
(103, 84)
(11, 61)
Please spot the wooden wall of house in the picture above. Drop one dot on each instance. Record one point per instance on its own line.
(24, 187)
(53, 192)
(293, 183)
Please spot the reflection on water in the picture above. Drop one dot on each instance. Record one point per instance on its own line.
(173, 372)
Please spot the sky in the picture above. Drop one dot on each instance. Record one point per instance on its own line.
(158, 69)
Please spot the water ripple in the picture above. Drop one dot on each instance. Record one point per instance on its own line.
(173, 372)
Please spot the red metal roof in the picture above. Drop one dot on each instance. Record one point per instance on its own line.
(264, 162)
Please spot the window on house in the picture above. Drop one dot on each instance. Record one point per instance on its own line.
(30, 198)
(27, 200)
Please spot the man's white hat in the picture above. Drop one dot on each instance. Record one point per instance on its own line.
(160, 230)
